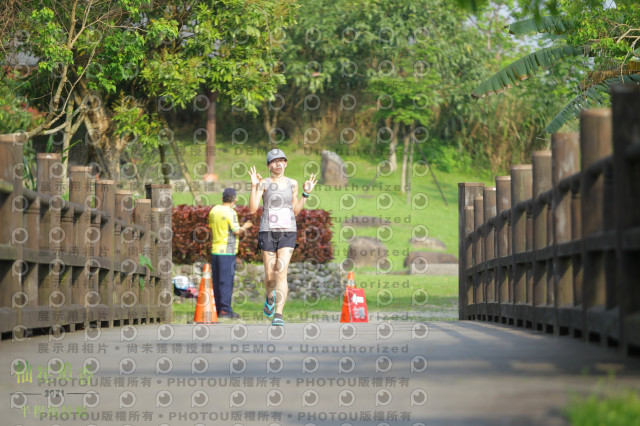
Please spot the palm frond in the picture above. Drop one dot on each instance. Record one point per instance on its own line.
(524, 68)
(555, 25)
(600, 76)
(593, 95)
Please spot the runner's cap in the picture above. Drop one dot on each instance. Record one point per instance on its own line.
(274, 154)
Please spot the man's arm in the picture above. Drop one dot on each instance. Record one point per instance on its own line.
(237, 230)
(242, 229)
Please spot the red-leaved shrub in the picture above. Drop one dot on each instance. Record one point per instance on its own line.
(192, 235)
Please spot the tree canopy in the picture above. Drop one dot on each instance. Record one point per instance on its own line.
(116, 66)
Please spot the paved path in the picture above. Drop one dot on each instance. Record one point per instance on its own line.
(398, 373)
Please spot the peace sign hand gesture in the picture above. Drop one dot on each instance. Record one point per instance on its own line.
(255, 176)
(309, 184)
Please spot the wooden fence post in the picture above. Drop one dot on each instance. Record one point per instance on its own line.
(626, 172)
(79, 195)
(12, 232)
(541, 161)
(469, 261)
(503, 206)
(595, 145)
(49, 173)
(142, 217)
(565, 162)
(126, 261)
(520, 191)
(466, 193)
(161, 224)
(478, 250)
(105, 201)
(489, 196)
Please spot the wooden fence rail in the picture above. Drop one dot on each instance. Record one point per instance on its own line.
(65, 265)
(555, 246)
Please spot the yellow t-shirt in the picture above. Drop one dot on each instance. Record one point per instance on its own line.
(223, 221)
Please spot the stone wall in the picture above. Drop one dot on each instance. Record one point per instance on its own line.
(307, 281)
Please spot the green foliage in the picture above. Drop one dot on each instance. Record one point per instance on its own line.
(237, 43)
(610, 34)
(48, 40)
(592, 97)
(123, 64)
(607, 36)
(524, 68)
(619, 409)
(396, 62)
(14, 112)
(171, 76)
(144, 261)
(545, 24)
(135, 123)
(448, 158)
(531, 7)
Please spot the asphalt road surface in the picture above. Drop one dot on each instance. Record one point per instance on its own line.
(381, 373)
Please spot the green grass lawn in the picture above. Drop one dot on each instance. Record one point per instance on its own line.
(389, 297)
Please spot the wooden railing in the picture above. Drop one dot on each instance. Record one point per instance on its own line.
(66, 265)
(555, 246)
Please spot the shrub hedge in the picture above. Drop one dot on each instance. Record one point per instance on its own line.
(192, 235)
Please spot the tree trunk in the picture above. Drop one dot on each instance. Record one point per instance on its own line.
(405, 155)
(99, 125)
(163, 168)
(433, 175)
(211, 137)
(95, 151)
(410, 166)
(65, 150)
(269, 120)
(183, 166)
(112, 158)
(266, 119)
(393, 160)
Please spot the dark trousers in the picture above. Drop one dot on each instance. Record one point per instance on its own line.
(223, 269)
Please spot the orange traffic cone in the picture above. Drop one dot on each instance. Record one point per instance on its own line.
(206, 305)
(354, 305)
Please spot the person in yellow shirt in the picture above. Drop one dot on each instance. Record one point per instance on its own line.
(225, 231)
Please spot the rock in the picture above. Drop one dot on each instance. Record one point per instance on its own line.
(366, 251)
(427, 243)
(365, 221)
(422, 257)
(332, 170)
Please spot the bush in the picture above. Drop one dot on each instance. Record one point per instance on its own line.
(192, 235)
(447, 158)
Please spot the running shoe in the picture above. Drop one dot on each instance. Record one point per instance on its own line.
(270, 308)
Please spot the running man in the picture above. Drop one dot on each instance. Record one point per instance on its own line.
(277, 232)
